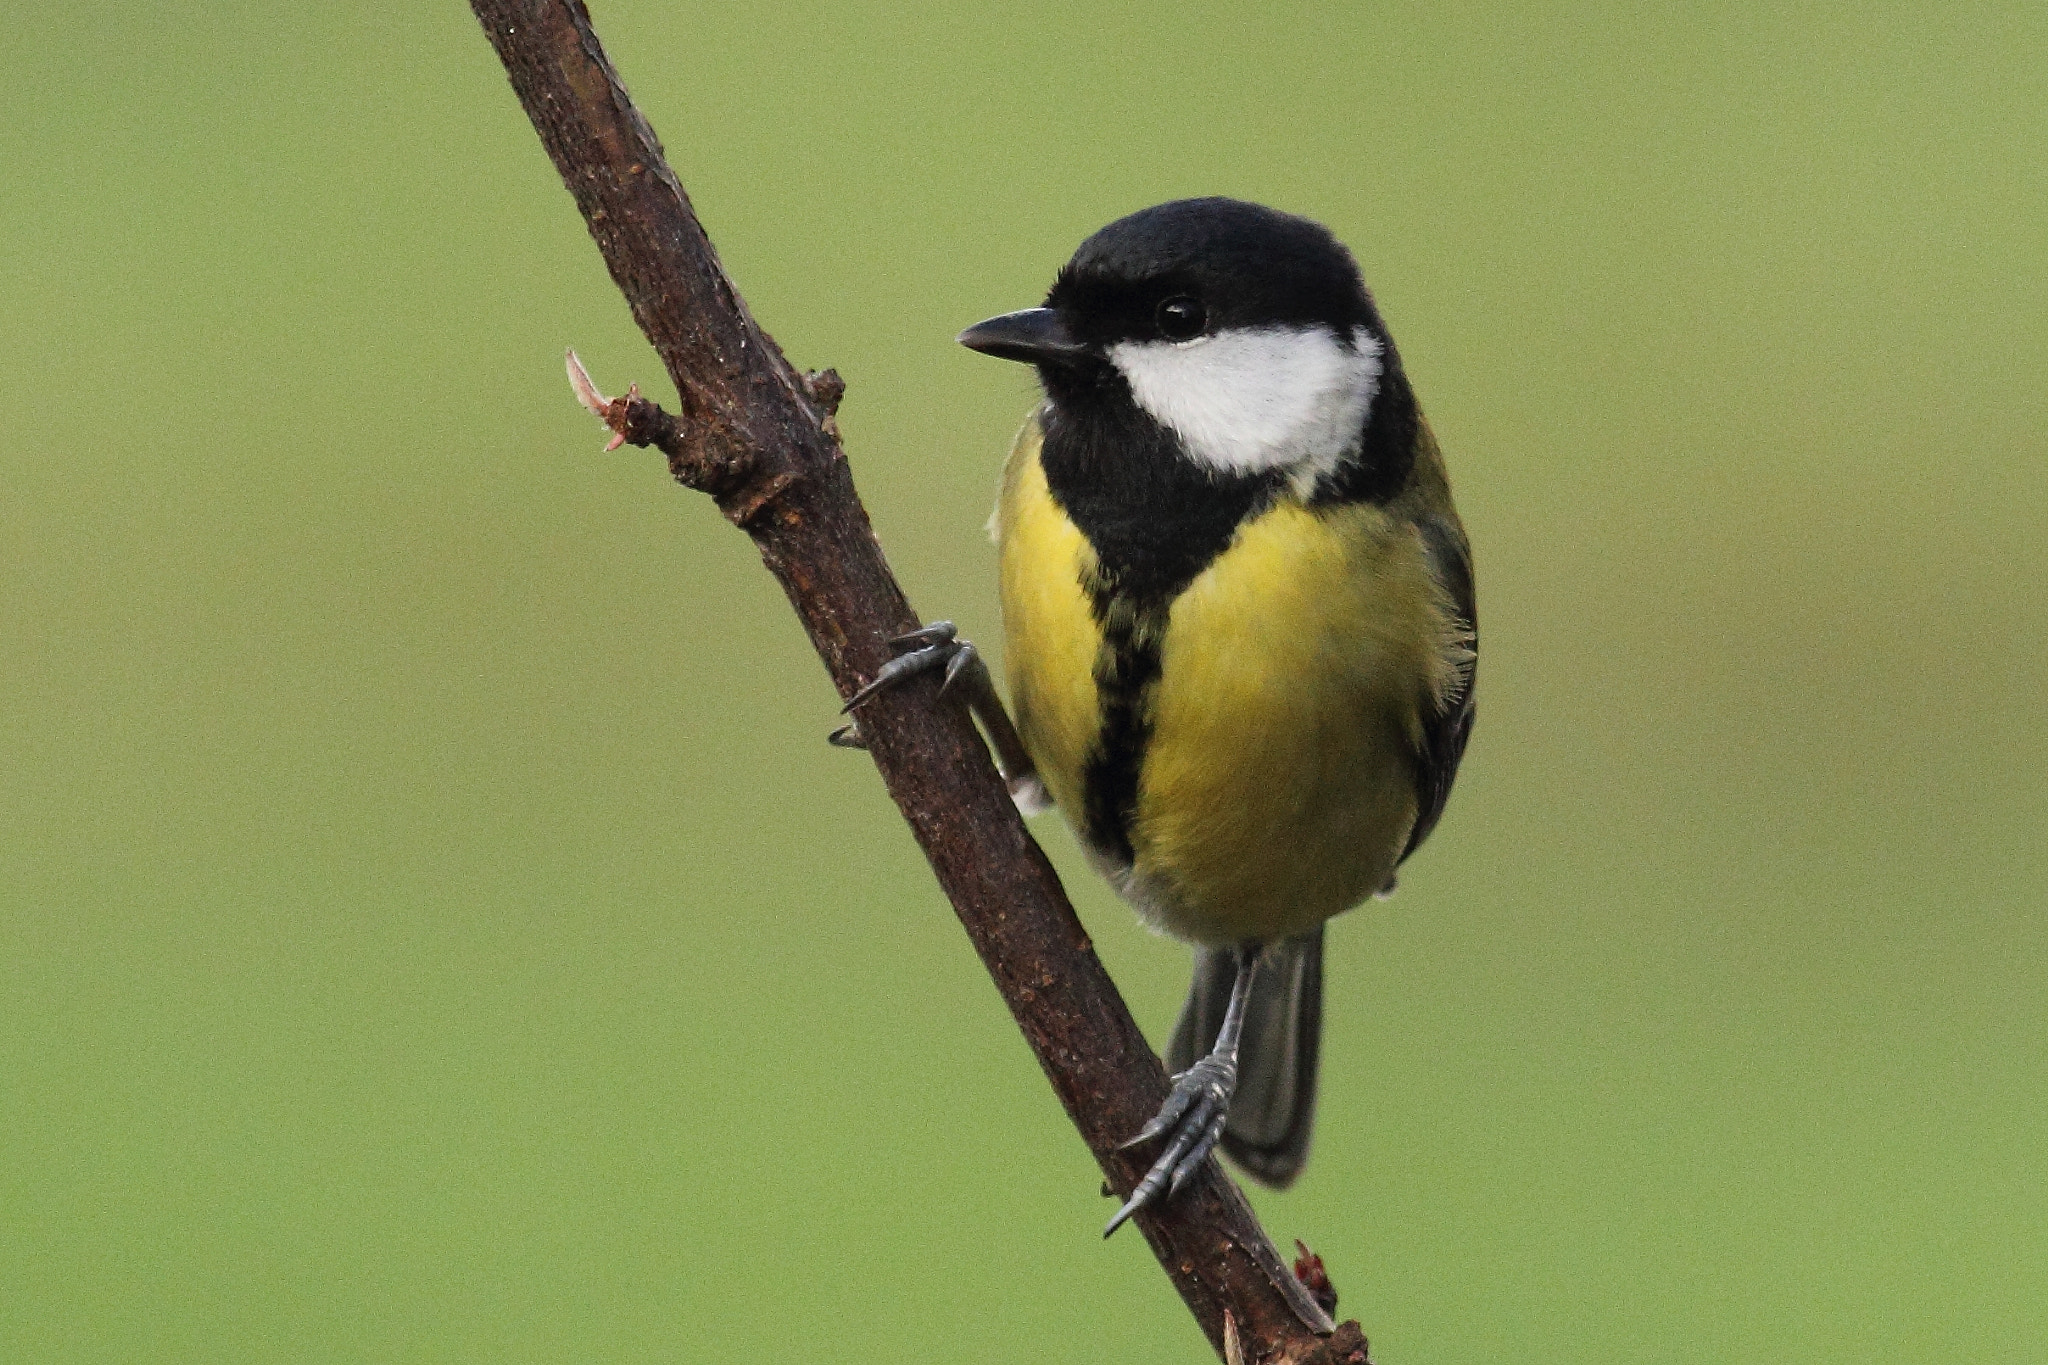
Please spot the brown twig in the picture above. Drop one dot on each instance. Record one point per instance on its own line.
(760, 440)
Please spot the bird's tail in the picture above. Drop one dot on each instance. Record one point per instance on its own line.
(1275, 1104)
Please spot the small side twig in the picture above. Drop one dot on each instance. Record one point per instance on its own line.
(633, 420)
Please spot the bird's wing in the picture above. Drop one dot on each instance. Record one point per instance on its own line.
(1446, 718)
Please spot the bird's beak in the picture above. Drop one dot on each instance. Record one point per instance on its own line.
(1035, 336)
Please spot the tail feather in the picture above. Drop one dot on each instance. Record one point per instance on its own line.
(1274, 1109)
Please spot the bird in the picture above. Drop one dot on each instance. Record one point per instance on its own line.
(1240, 631)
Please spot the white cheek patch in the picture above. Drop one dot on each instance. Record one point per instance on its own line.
(1262, 398)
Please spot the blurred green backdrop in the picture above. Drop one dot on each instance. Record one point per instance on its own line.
(433, 927)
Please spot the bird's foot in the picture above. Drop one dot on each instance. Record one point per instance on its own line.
(937, 645)
(1193, 1115)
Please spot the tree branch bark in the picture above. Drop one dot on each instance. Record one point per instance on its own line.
(752, 435)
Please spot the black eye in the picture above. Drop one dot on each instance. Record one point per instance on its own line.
(1181, 317)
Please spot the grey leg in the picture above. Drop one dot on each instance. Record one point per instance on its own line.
(1195, 1111)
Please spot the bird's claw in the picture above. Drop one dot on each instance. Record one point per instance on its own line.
(1194, 1114)
(930, 647)
(939, 645)
(937, 633)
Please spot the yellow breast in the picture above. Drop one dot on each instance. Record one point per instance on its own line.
(1277, 784)
(1050, 636)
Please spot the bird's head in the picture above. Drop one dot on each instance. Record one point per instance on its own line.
(1246, 332)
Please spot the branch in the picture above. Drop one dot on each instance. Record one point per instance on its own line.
(760, 440)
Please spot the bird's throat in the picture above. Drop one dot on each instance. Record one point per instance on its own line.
(1154, 518)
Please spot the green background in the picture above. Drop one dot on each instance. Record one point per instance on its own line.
(432, 927)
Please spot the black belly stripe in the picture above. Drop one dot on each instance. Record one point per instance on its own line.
(1126, 671)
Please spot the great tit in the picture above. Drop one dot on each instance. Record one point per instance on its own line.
(1239, 629)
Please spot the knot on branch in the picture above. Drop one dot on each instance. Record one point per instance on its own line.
(826, 389)
(1345, 1346)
